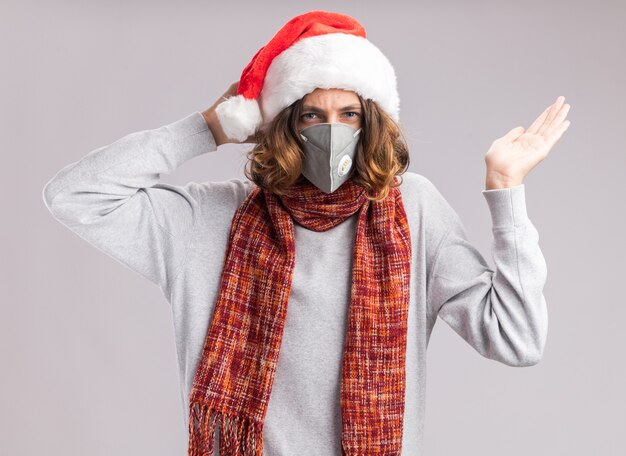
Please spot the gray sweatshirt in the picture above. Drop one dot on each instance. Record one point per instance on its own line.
(176, 237)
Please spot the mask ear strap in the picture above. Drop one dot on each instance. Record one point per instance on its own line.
(357, 132)
(304, 138)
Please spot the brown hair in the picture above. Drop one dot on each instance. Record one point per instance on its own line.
(275, 162)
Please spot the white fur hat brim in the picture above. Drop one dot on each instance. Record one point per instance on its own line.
(334, 60)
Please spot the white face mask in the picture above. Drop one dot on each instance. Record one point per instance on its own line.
(329, 150)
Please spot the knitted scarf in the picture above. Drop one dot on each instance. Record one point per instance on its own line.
(233, 382)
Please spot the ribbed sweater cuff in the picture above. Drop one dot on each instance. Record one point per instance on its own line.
(507, 206)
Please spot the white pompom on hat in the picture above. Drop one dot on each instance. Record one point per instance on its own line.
(318, 49)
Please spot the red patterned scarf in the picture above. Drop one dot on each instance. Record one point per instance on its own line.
(234, 378)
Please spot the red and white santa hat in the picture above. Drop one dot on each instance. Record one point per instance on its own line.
(316, 49)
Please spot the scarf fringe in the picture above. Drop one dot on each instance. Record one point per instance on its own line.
(238, 436)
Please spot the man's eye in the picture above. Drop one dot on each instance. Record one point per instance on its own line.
(356, 114)
(308, 114)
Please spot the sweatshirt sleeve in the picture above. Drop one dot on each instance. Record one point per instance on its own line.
(113, 199)
(500, 312)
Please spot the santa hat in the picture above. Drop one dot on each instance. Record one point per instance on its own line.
(316, 49)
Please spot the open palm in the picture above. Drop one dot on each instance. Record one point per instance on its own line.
(511, 157)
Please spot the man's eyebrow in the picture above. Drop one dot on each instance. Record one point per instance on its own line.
(316, 109)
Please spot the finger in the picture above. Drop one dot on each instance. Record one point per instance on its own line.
(232, 89)
(558, 120)
(556, 134)
(512, 134)
(538, 121)
(551, 114)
